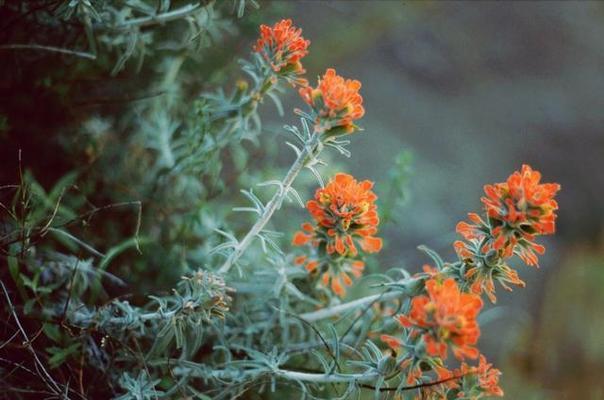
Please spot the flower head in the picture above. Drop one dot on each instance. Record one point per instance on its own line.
(483, 264)
(345, 216)
(344, 212)
(282, 46)
(445, 317)
(518, 210)
(482, 380)
(335, 101)
(467, 382)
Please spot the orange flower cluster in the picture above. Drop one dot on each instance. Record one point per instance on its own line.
(345, 215)
(445, 317)
(336, 102)
(467, 382)
(344, 210)
(487, 376)
(517, 211)
(474, 381)
(282, 46)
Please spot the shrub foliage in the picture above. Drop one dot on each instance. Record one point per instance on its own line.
(128, 278)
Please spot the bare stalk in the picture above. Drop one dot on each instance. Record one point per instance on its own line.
(52, 49)
(46, 377)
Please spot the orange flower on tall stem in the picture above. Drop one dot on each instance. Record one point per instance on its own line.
(445, 317)
(345, 216)
(282, 46)
(336, 101)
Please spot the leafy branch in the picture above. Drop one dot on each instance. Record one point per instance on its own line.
(304, 157)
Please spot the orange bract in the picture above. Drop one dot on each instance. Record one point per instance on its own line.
(445, 317)
(473, 382)
(336, 101)
(482, 280)
(483, 264)
(392, 342)
(282, 45)
(487, 377)
(345, 215)
(344, 212)
(519, 209)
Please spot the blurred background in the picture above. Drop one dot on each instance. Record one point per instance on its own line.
(457, 95)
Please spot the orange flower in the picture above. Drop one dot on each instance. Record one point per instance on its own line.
(345, 213)
(482, 264)
(445, 317)
(482, 279)
(430, 272)
(336, 275)
(482, 379)
(468, 382)
(345, 216)
(518, 210)
(414, 371)
(392, 342)
(335, 101)
(282, 46)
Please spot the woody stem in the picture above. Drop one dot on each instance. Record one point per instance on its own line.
(309, 150)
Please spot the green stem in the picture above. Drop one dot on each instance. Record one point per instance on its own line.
(325, 378)
(160, 18)
(308, 150)
(282, 373)
(340, 308)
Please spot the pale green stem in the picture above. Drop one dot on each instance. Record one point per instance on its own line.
(163, 103)
(324, 378)
(313, 316)
(308, 150)
(282, 373)
(160, 18)
(340, 308)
